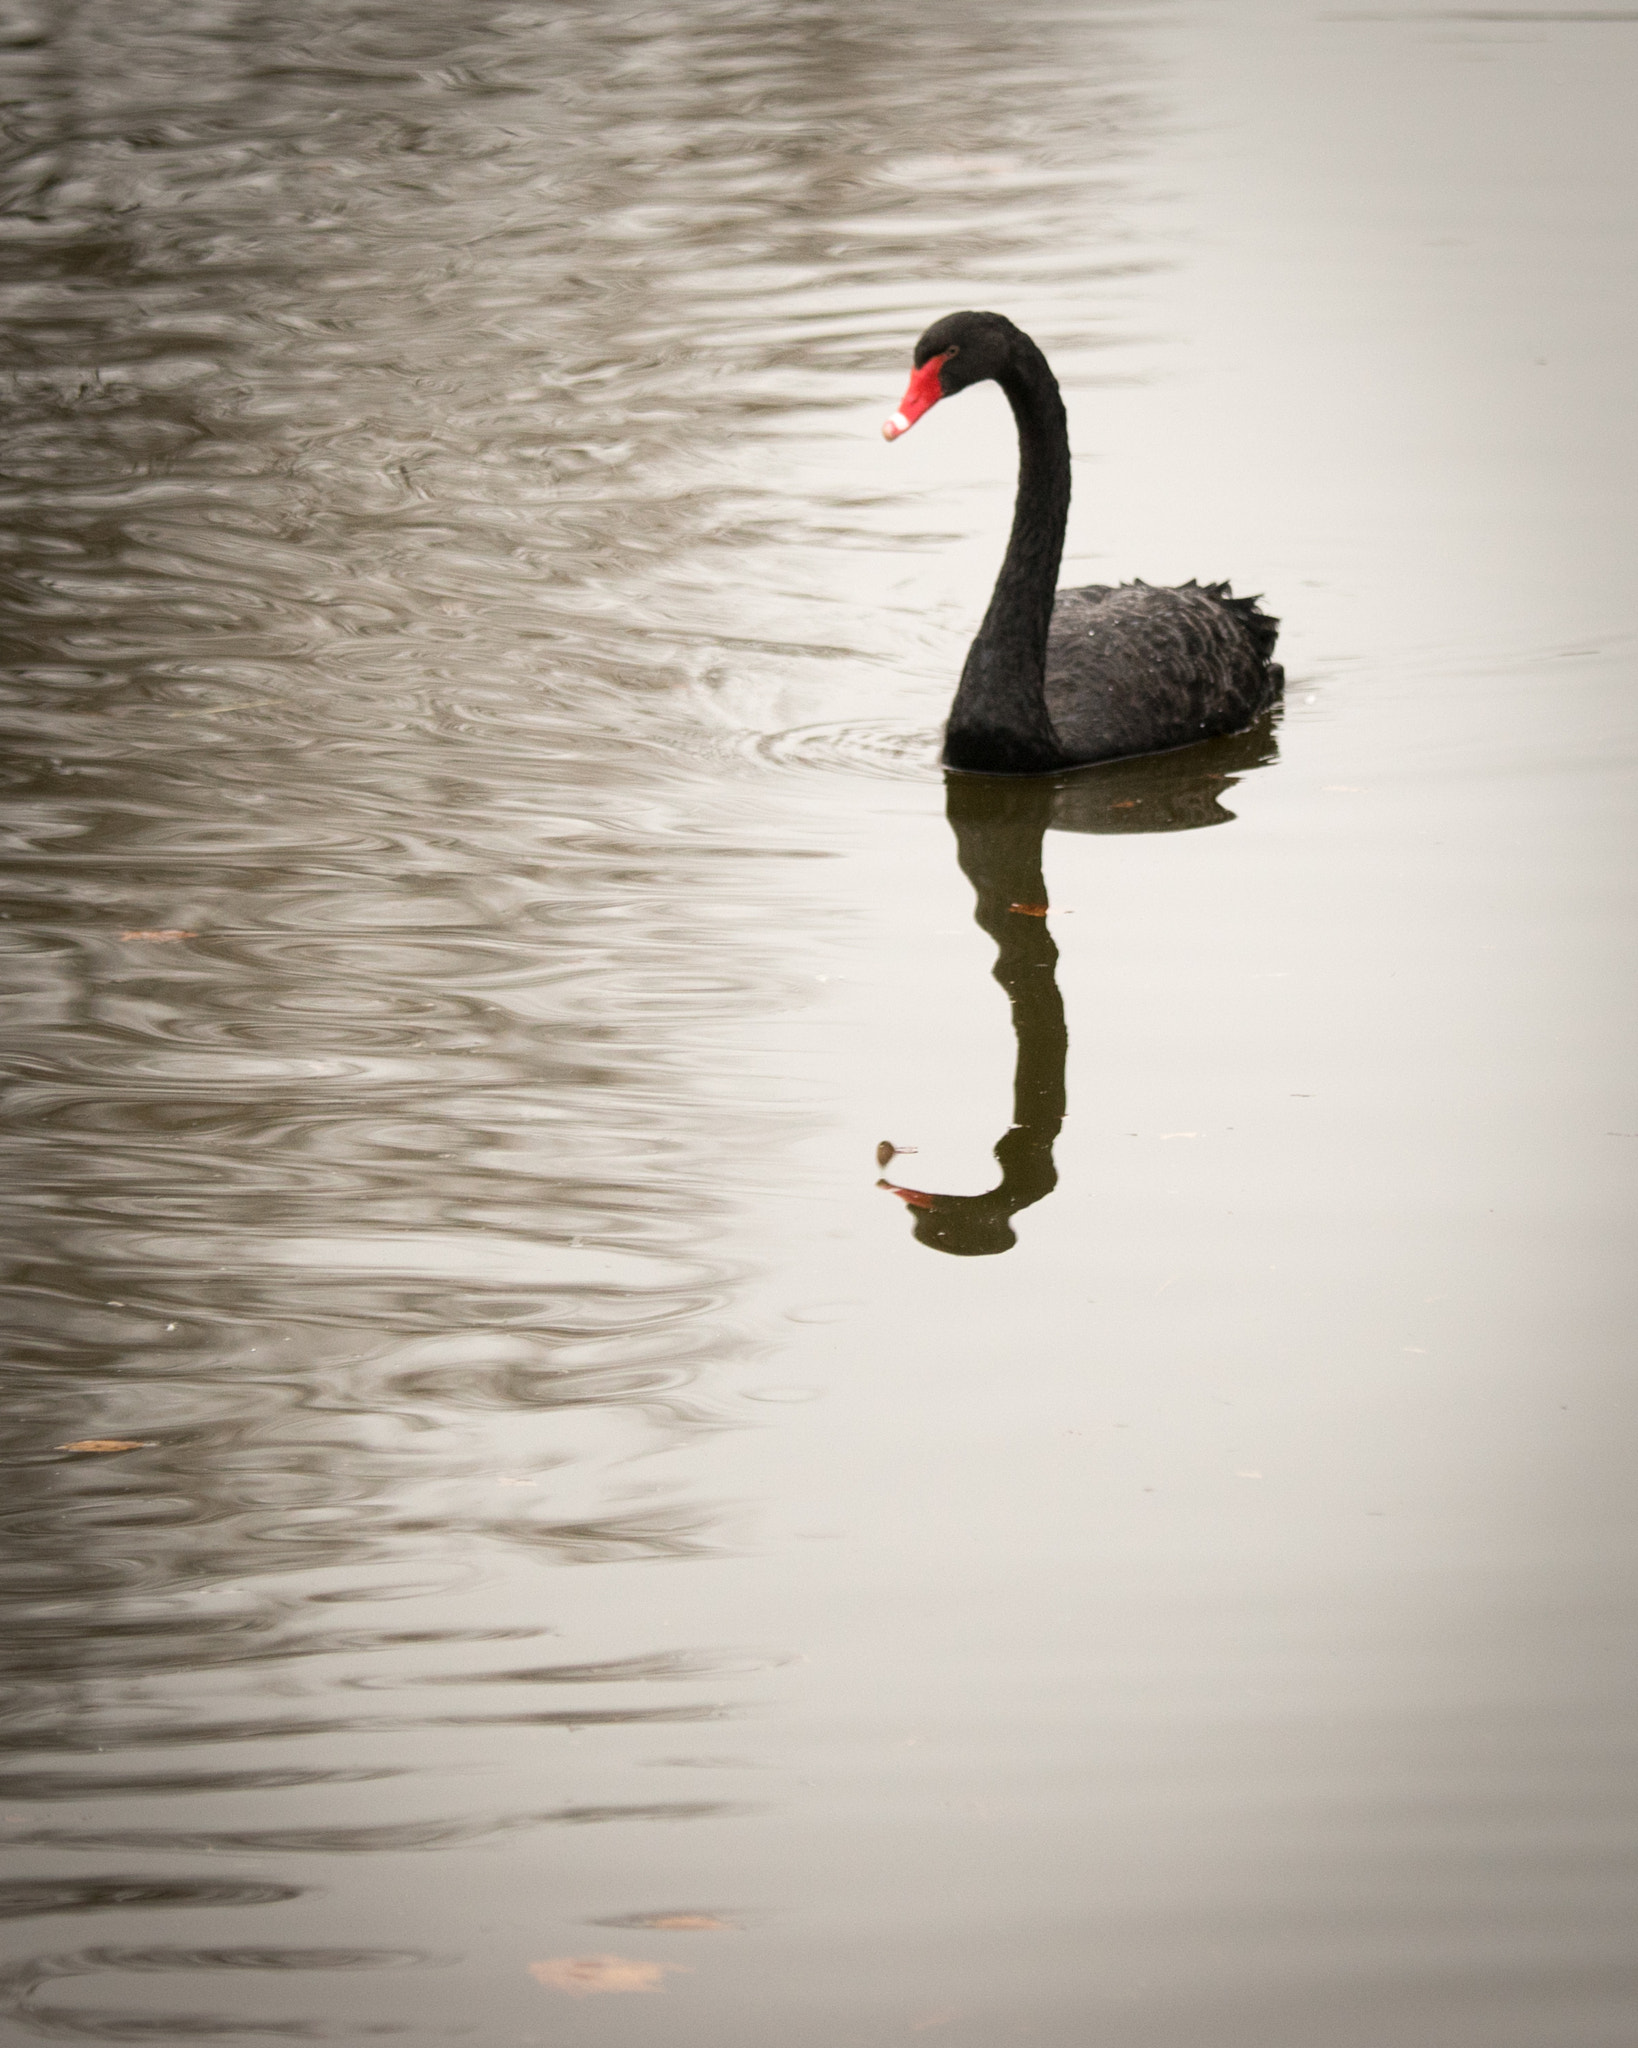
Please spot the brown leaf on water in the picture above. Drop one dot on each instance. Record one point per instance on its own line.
(162, 936)
(583, 1976)
(1030, 909)
(680, 1921)
(887, 1150)
(108, 1443)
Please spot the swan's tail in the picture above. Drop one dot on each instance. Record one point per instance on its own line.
(1261, 630)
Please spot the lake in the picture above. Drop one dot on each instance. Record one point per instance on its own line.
(730, 1440)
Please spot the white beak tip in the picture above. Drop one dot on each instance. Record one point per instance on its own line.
(895, 425)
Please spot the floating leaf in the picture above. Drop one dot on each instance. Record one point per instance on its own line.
(583, 1976)
(887, 1150)
(162, 936)
(108, 1443)
(1030, 909)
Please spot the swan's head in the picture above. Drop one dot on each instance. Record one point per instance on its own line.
(960, 349)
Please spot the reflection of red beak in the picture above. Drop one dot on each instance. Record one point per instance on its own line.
(914, 1196)
(921, 394)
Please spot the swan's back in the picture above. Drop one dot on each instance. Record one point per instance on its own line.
(1134, 668)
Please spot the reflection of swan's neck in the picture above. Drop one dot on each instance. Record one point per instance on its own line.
(998, 826)
(1003, 863)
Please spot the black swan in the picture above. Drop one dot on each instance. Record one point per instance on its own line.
(1063, 678)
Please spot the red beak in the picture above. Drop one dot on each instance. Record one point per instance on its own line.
(921, 394)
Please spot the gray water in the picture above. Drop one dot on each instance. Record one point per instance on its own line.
(459, 600)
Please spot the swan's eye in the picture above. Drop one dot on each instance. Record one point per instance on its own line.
(953, 350)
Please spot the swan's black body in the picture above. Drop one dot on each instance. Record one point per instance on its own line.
(1063, 678)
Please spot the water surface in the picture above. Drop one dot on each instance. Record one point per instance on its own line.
(479, 889)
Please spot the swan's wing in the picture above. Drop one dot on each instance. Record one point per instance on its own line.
(1134, 668)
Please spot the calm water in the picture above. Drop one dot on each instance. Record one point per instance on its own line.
(1173, 1583)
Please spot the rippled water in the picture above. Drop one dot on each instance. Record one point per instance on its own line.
(478, 888)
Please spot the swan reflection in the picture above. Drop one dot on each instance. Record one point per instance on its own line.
(999, 823)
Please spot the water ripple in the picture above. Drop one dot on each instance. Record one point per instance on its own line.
(433, 435)
(858, 746)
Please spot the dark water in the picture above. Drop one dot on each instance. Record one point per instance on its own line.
(1172, 1582)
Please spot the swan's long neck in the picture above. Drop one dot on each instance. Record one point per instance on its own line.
(999, 722)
